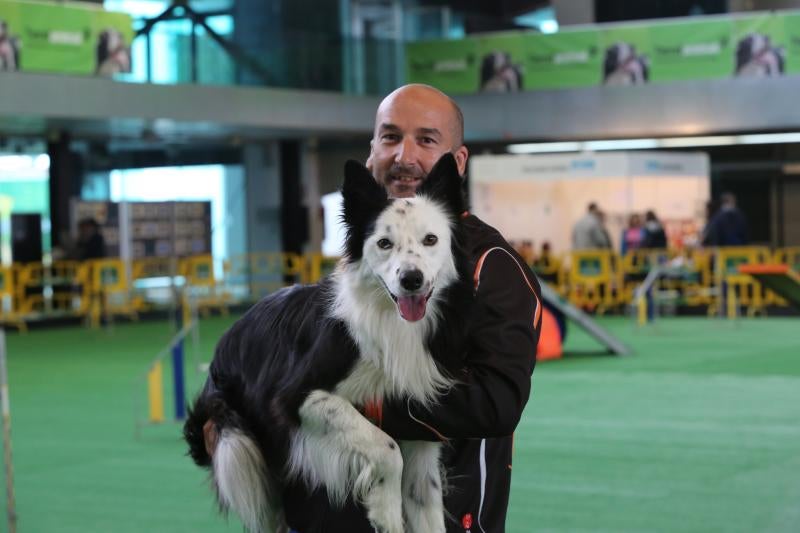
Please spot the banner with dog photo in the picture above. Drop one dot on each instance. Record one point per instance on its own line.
(567, 59)
(10, 36)
(501, 58)
(759, 47)
(69, 39)
(627, 55)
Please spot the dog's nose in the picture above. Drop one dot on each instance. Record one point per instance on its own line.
(411, 280)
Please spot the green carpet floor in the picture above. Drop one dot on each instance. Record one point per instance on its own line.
(699, 431)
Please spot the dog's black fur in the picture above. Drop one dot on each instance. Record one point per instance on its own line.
(287, 345)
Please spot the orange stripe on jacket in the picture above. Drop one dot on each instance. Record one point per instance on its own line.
(537, 314)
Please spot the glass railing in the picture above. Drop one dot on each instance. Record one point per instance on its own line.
(301, 60)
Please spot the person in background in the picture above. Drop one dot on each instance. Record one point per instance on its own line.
(589, 232)
(654, 237)
(728, 227)
(711, 209)
(527, 252)
(545, 258)
(90, 244)
(633, 235)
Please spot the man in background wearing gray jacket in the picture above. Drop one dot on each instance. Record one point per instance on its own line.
(589, 232)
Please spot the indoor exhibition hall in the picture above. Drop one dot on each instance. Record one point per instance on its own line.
(400, 266)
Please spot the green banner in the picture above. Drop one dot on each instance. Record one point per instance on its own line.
(574, 59)
(692, 50)
(70, 39)
(627, 54)
(452, 66)
(791, 30)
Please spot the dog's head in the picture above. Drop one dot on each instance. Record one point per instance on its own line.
(404, 245)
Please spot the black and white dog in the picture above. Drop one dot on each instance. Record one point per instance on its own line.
(757, 57)
(623, 65)
(390, 322)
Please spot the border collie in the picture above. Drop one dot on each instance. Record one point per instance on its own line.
(390, 322)
(624, 66)
(499, 74)
(756, 57)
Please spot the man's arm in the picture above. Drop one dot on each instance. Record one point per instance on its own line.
(488, 400)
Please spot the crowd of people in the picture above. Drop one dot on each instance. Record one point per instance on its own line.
(725, 225)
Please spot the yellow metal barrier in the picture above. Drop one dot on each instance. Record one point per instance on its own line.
(598, 280)
(111, 294)
(784, 256)
(318, 266)
(594, 280)
(8, 311)
(205, 291)
(259, 274)
(747, 291)
(635, 266)
(550, 268)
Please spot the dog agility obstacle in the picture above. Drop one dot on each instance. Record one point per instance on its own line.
(188, 327)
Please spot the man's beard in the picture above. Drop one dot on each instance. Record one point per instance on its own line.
(403, 180)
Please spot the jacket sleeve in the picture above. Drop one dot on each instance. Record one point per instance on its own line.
(489, 397)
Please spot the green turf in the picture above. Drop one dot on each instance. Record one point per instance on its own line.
(700, 431)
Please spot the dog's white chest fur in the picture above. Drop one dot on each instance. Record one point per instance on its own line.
(394, 359)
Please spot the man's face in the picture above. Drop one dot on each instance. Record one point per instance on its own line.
(414, 127)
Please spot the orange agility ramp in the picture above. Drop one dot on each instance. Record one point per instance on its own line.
(778, 278)
(550, 341)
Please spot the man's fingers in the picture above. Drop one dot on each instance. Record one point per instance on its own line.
(210, 437)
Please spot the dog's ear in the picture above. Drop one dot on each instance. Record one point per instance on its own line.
(443, 185)
(363, 199)
(363, 196)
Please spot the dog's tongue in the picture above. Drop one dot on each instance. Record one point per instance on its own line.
(412, 308)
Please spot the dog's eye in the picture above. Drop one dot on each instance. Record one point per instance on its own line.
(384, 244)
(430, 239)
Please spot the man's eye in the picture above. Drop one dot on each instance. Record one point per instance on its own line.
(428, 140)
(390, 137)
(384, 244)
(430, 239)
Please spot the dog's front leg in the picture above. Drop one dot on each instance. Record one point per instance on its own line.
(338, 448)
(422, 487)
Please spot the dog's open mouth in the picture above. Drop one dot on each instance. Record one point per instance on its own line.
(412, 307)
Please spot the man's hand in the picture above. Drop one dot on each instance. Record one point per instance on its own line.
(210, 437)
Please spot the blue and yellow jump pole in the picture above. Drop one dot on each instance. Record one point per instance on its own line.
(181, 318)
(155, 393)
(155, 376)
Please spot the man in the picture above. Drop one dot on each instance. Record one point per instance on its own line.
(414, 126)
(728, 227)
(91, 244)
(589, 232)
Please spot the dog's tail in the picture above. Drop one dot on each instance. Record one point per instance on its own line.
(238, 470)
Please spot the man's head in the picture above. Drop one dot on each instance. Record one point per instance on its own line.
(87, 227)
(728, 200)
(414, 126)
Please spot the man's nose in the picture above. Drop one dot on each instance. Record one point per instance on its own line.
(406, 152)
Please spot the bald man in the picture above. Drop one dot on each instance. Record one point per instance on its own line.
(414, 126)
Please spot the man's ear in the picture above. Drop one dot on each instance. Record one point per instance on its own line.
(363, 198)
(443, 185)
(371, 154)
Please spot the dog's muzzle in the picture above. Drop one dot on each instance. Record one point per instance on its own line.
(412, 306)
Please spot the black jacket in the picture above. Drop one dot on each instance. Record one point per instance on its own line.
(478, 416)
